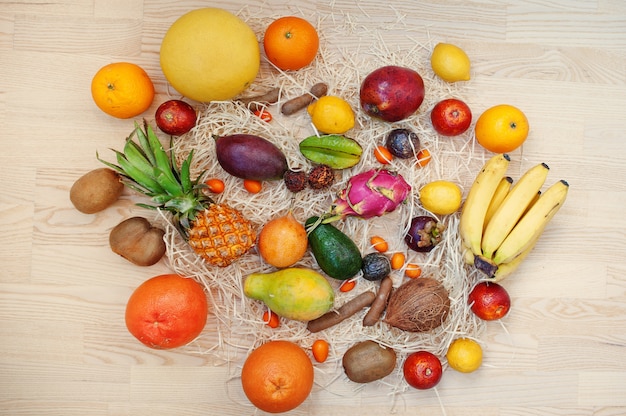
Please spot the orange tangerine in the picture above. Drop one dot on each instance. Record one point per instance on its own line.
(277, 376)
(502, 128)
(290, 43)
(122, 89)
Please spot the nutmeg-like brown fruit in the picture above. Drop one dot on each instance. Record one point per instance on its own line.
(138, 241)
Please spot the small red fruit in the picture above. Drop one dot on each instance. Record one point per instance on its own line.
(489, 301)
(422, 370)
(264, 115)
(451, 117)
(175, 117)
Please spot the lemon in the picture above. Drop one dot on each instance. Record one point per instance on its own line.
(331, 115)
(210, 54)
(464, 355)
(450, 63)
(441, 197)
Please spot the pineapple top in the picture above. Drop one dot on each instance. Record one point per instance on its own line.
(147, 168)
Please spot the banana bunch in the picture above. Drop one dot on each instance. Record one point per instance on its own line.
(501, 221)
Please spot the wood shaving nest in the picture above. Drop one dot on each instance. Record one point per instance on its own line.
(238, 320)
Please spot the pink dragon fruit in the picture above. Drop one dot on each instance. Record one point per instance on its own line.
(371, 194)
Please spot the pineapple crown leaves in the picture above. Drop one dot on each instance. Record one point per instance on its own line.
(148, 169)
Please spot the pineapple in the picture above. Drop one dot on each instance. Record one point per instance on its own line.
(216, 232)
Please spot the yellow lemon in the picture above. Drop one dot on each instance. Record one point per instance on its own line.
(464, 355)
(210, 54)
(450, 63)
(331, 115)
(441, 197)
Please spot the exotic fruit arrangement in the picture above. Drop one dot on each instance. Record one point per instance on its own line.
(325, 205)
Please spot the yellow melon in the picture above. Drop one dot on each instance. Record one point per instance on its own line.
(210, 54)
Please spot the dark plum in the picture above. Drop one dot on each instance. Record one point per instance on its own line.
(424, 234)
(402, 143)
(376, 266)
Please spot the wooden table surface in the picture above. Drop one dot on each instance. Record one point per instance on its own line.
(64, 348)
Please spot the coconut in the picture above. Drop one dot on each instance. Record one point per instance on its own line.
(419, 305)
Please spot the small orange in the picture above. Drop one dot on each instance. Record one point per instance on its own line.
(290, 43)
(397, 260)
(379, 244)
(264, 115)
(347, 285)
(215, 185)
(122, 89)
(383, 155)
(423, 157)
(320, 349)
(277, 376)
(502, 128)
(252, 186)
(413, 271)
(271, 319)
(167, 311)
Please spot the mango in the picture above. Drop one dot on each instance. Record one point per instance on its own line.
(296, 293)
(248, 156)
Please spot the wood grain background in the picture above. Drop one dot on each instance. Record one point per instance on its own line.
(64, 349)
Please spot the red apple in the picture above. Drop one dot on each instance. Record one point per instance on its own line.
(489, 301)
(175, 117)
(422, 370)
(392, 93)
(451, 117)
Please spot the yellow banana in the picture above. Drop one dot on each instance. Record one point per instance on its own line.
(513, 207)
(531, 225)
(532, 202)
(504, 270)
(468, 256)
(478, 199)
(501, 191)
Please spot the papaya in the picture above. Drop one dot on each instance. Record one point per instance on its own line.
(297, 293)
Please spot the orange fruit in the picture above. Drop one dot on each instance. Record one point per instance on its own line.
(383, 155)
(502, 128)
(423, 157)
(122, 89)
(167, 311)
(347, 285)
(290, 43)
(320, 349)
(277, 376)
(413, 271)
(282, 241)
(271, 319)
